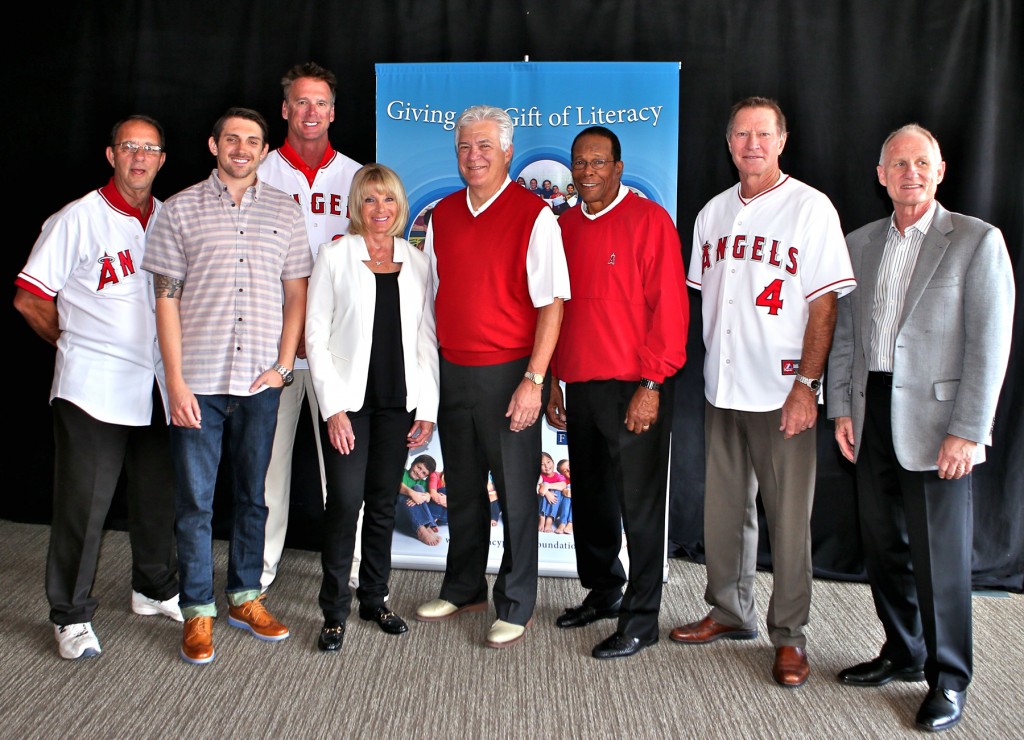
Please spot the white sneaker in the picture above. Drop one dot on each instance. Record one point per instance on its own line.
(146, 606)
(76, 640)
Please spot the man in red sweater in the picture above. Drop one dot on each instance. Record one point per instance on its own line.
(499, 279)
(623, 338)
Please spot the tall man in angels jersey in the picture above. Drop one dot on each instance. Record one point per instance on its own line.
(319, 178)
(770, 261)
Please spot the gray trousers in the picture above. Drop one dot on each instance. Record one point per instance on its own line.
(745, 452)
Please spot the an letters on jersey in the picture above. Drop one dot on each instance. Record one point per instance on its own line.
(109, 272)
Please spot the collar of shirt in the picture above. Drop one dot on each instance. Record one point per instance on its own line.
(623, 192)
(490, 200)
(292, 157)
(922, 224)
(218, 186)
(113, 196)
(783, 177)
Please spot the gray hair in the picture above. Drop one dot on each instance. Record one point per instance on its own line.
(910, 128)
(477, 113)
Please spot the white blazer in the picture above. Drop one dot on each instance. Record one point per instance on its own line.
(339, 327)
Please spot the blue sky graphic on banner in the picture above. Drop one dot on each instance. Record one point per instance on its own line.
(549, 102)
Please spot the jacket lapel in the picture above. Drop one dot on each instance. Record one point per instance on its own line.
(871, 260)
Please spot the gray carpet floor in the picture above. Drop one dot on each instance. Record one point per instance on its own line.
(440, 681)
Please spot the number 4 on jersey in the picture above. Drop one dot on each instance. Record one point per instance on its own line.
(771, 297)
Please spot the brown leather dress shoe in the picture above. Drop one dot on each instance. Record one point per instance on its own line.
(791, 668)
(197, 640)
(708, 630)
(253, 616)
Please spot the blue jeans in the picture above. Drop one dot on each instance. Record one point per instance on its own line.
(564, 511)
(546, 508)
(408, 519)
(248, 422)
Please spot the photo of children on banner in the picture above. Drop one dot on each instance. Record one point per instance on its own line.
(557, 201)
(547, 172)
(492, 496)
(417, 512)
(564, 514)
(550, 487)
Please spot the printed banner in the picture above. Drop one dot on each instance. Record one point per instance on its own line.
(417, 106)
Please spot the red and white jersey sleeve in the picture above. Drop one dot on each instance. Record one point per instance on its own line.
(90, 254)
(758, 264)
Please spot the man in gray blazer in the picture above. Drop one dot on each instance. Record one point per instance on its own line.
(916, 366)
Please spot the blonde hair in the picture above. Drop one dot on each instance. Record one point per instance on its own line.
(378, 178)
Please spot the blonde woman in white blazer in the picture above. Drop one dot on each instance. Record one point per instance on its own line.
(372, 355)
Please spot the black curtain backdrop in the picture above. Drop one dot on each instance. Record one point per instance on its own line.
(845, 74)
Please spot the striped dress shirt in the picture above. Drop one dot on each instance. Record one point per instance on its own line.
(898, 260)
(233, 259)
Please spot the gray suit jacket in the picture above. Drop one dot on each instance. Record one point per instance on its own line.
(952, 344)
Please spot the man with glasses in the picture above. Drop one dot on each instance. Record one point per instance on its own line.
(83, 291)
(223, 252)
(492, 239)
(623, 338)
(770, 261)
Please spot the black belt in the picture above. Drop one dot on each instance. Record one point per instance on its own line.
(880, 379)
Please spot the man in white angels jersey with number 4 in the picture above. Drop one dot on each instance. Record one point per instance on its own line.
(770, 260)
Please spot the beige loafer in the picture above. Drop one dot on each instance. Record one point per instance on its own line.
(436, 610)
(504, 634)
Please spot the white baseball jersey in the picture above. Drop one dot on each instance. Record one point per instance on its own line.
(759, 263)
(324, 203)
(90, 254)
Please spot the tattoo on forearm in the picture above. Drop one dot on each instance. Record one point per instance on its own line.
(167, 287)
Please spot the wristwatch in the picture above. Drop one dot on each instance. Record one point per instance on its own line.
(535, 378)
(651, 385)
(813, 383)
(286, 375)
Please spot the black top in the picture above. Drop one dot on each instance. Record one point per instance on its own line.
(385, 386)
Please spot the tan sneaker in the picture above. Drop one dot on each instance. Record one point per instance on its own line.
(253, 616)
(197, 642)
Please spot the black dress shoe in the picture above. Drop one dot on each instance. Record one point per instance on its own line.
(879, 672)
(580, 616)
(620, 646)
(386, 619)
(332, 635)
(941, 709)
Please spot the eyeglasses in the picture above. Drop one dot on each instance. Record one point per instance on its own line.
(130, 147)
(597, 164)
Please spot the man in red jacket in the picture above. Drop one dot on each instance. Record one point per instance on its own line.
(622, 340)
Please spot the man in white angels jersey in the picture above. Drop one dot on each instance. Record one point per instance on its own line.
(319, 178)
(83, 291)
(770, 261)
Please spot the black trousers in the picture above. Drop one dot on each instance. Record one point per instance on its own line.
(368, 477)
(619, 484)
(475, 438)
(89, 458)
(917, 534)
